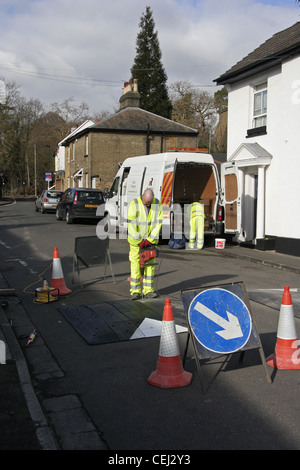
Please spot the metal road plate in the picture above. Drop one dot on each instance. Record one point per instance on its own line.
(115, 321)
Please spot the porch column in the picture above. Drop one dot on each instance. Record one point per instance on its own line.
(260, 216)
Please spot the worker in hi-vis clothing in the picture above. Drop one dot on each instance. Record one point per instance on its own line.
(196, 218)
(144, 224)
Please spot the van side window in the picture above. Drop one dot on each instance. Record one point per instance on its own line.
(115, 187)
(125, 176)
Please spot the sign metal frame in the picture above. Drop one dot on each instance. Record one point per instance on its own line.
(201, 351)
(89, 252)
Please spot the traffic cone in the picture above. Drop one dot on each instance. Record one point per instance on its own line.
(287, 351)
(57, 275)
(169, 372)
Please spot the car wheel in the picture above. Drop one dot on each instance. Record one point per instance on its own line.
(42, 210)
(36, 208)
(69, 219)
(58, 217)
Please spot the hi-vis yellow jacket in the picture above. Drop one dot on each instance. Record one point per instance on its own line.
(143, 225)
(196, 209)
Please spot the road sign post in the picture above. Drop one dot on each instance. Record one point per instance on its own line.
(220, 322)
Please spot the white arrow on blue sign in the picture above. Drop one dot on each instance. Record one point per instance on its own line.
(220, 320)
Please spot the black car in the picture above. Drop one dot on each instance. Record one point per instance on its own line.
(79, 203)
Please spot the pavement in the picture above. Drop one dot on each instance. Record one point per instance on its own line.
(23, 423)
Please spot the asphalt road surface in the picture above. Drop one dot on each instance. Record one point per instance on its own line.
(97, 396)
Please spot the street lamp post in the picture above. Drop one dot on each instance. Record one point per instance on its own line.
(48, 146)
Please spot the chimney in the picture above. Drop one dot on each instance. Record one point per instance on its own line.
(130, 95)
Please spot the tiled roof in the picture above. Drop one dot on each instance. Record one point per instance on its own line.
(138, 120)
(280, 46)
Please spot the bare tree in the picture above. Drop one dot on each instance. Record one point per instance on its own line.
(71, 114)
(194, 108)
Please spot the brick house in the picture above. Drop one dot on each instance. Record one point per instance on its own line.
(93, 154)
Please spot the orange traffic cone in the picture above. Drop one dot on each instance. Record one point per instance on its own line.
(169, 372)
(57, 275)
(287, 351)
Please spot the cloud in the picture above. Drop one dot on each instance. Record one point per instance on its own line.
(55, 49)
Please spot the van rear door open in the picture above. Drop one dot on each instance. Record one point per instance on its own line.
(230, 197)
(196, 180)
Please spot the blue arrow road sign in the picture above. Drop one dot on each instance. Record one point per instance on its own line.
(220, 320)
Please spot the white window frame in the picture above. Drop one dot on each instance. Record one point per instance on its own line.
(260, 105)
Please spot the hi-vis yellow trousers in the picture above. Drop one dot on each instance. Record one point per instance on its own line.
(196, 232)
(135, 272)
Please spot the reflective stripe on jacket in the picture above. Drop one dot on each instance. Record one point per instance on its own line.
(143, 225)
(196, 209)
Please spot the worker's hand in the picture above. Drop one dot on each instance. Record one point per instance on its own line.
(147, 243)
(142, 244)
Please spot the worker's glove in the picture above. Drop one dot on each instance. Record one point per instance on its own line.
(142, 244)
(147, 243)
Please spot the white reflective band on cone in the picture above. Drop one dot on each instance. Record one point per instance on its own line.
(286, 324)
(57, 272)
(168, 341)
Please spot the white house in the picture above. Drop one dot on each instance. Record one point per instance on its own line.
(264, 141)
(60, 157)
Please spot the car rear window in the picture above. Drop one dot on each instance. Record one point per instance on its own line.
(54, 194)
(90, 196)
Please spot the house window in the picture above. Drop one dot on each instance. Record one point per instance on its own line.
(260, 106)
(259, 116)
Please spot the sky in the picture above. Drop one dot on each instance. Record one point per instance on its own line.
(60, 49)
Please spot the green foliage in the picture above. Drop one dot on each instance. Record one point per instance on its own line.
(221, 100)
(148, 69)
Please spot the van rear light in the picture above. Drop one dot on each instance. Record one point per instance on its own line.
(75, 198)
(220, 214)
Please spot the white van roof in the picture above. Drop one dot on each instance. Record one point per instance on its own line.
(170, 157)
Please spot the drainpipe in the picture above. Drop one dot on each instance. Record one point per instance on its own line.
(162, 143)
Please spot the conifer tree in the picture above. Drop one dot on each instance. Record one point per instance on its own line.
(148, 69)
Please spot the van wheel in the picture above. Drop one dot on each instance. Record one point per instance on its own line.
(69, 219)
(58, 217)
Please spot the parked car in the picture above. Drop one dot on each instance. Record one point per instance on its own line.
(47, 200)
(79, 203)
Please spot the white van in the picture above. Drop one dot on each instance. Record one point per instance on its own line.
(177, 179)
